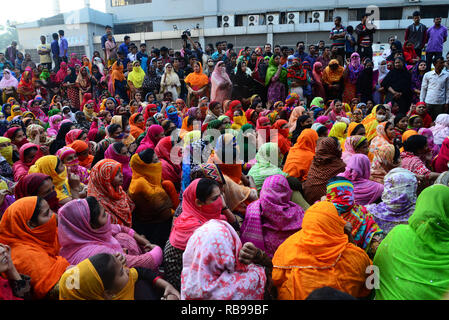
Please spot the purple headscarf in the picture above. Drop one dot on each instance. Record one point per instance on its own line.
(432, 146)
(358, 172)
(273, 218)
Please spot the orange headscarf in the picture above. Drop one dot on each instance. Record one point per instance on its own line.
(407, 134)
(300, 156)
(117, 74)
(319, 255)
(197, 80)
(281, 137)
(81, 146)
(34, 252)
(136, 129)
(330, 76)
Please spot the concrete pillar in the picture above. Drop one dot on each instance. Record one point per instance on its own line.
(270, 39)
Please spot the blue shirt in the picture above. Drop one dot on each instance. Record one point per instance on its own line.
(55, 48)
(123, 48)
(63, 46)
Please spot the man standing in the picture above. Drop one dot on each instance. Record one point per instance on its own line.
(132, 55)
(63, 47)
(267, 50)
(104, 38)
(44, 53)
(416, 33)
(142, 56)
(55, 51)
(350, 42)
(312, 55)
(321, 46)
(365, 38)
(124, 47)
(11, 52)
(435, 89)
(436, 36)
(300, 47)
(325, 58)
(111, 50)
(165, 57)
(338, 36)
(19, 60)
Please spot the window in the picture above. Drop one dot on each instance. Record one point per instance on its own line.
(133, 28)
(430, 12)
(119, 3)
(238, 21)
(392, 13)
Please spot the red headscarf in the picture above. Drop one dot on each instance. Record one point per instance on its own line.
(232, 108)
(248, 115)
(62, 72)
(150, 111)
(150, 141)
(267, 128)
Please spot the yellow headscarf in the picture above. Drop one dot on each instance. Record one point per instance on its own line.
(118, 121)
(136, 76)
(371, 123)
(338, 131)
(14, 114)
(7, 151)
(90, 286)
(47, 165)
(239, 122)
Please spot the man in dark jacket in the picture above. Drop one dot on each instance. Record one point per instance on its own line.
(365, 38)
(416, 33)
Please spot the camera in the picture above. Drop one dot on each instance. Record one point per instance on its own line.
(185, 34)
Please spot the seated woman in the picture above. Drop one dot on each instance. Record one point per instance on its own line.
(75, 134)
(151, 139)
(300, 157)
(273, 218)
(339, 130)
(85, 229)
(54, 122)
(29, 153)
(281, 138)
(194, 114)
(385, 136)
(154, 206)
(14, 286)
(413, 258)
(297, 270)
(137, 125)
(82, 152)
(217, 272)
(29, 228)
(106, 185)
(326, 164)
(40, 185)
(355, 145)
(384, 160)
(105, 277)
(365, 233)
(69, 158)
(119, 152)
(201, 202)
(398, 200)
(358, 172)
(170, 171)
(66, 189)
(267, 164)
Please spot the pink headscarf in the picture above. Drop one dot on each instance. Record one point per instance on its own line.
(150, 141)
(8, 80)
(281, 217)
(110, 153)
(432, 146)
(358, 172)
(72, 135)
(317, 75)
(333, 115)
(219, 79)
(214, 272)
(54, 128)
(323, 120)
(62, 73)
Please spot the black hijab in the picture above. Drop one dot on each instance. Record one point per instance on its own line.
(60, 138)
(71, 78)
(299, 128)
(398, 79)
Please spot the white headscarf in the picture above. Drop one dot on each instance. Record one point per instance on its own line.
(8, 80)
(99, 64)
(441, 129)
(170, 78)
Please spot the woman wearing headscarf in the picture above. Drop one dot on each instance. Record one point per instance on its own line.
(320, 255)
(154, 134)
(59, 142)
(25, 88)
(355, 144)
(412, 259)
(83, 231)
(276, 80)
(267, 164)
(170, 82)
(69, 158)
(242, 83)
(219, 274)
(135, 77)
(378, 115)
(72, 89)
(300, 156)
(337, 111)
(105, 184)
(326, 164)
(333, 80)
(351, 74)
(82, 152)
(8, 85)
(367, 81)
(303, 122)
(441, 162)
(137, 125)
(119, 152)
(84, 83)
(418, 72)
(297, 78)
(296, 113)
(62, 73)
(273, 218)
(29, 228)
(17, 137)
(384, 160)
(358, 172)
(54, 122)
(441, 128)
(397, 85)
(434, 148)
(75, 134)
(194, 114)
(221, 85)
(317, 84)
(398, 200)
(339, 131)
(197, 85)
(281, 138)
(28, 153)
(365, 233)
(385, 136)
(117, 83)
(170, 170)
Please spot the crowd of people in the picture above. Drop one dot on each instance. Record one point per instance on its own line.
(214, 174)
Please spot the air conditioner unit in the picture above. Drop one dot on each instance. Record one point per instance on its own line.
(272, 18)
(253, 20)
(292, 17)
(228, 21)
(316, 17)
(413, 0)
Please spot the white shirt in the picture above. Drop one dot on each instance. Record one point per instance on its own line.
(435, 88)
(132, 57)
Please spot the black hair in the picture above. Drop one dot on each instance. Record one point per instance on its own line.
(61, 32)
(381, 107)
(204, 188)
(103, 264)
(337, 18)
(113, 128)
(284, 48)
(398, 118)
(230, 46)
(294, 183)
(36, 211)
(387, 125)
(94, 208)
(15, 133)
(55, 36)
(326, 47)
(297, 43)
(217, 43)
(435, 60)
(328, 293)
(27, 151)
(416, 14)
(321, 130)
(356, 129)
(414, 143)
(118, 146)
(147, 155)
(143, 45)
(234, 54)
(397, 153)
(126, 38)
(350, 29)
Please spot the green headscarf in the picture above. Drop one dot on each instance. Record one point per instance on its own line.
(44, 75)
(317, 101)
(264, 166)
(52, 112)
(413, 259)
(214, 124)
(271, 71)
